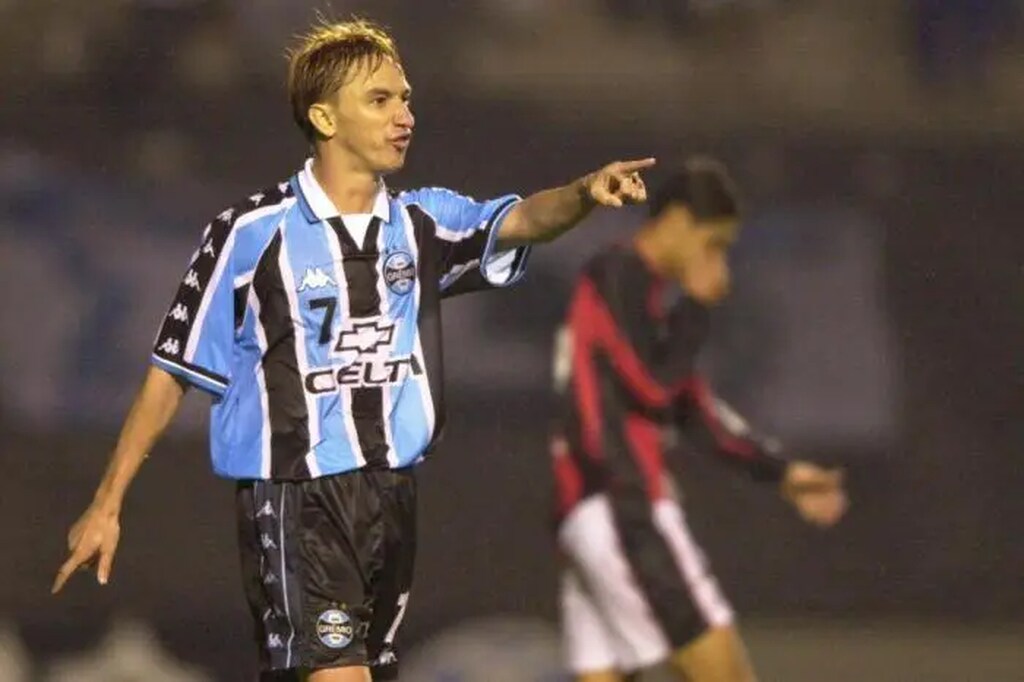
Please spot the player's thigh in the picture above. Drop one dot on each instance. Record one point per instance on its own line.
(716, 656)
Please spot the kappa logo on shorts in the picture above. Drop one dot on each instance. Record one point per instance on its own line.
(335, 629)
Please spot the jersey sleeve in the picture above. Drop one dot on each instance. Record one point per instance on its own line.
(466, 236)
(196, 338)
(710, 424)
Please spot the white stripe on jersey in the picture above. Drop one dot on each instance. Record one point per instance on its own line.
(424, 383)
(385, 310)
(261, 384)
(448, 235)
(244, 279)
(301, 355)
(195, 331)
(218, 271)
(252, 216)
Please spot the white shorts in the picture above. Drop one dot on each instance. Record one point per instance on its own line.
(635, 591)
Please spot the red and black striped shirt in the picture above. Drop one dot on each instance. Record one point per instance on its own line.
(625, 369)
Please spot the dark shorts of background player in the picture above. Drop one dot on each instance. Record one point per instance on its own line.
(636, 585)
(327, 567)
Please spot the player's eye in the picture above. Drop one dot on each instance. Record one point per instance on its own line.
(379, 100)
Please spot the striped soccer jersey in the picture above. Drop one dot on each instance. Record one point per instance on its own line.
(320, 341)
(625, 370)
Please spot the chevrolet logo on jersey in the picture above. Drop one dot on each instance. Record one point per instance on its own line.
(373, 365)
(366, 337)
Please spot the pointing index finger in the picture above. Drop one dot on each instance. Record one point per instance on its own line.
(636, 164)
(63, 574)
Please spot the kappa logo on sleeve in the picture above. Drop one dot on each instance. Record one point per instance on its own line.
(179, 313)
(170, 346)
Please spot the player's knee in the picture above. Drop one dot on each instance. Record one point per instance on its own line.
(718, 655)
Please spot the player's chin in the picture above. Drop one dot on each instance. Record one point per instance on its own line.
(393, 160)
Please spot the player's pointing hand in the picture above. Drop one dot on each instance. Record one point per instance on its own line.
(618, 184)
(93, 539)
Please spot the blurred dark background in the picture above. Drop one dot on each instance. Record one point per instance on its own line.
(877, 320)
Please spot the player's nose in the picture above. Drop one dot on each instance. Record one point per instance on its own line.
(405, 119)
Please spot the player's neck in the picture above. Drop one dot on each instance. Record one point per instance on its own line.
(653, 255)
(351, 191)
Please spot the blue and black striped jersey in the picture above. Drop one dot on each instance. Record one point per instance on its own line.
(321, 345)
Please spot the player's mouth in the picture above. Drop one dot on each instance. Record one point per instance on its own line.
(401, 142)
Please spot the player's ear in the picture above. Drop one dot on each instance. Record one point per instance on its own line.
(322, 119)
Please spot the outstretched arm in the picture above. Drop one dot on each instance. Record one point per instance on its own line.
(546, 215)
(96, 533)
(709, 424)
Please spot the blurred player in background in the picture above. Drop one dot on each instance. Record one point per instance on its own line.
(311, 314)
(637, 592)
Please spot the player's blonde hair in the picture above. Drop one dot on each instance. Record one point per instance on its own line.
(324, 59)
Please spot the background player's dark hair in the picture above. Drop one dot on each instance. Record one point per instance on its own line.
(703, 186)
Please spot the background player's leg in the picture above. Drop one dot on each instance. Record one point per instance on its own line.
(662, 672)
(603, 676)
(716, 656)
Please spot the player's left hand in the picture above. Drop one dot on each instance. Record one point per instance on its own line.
(816, 492)
(618, 184)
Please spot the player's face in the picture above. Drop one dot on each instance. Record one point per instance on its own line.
(373, 118)
(704, 261)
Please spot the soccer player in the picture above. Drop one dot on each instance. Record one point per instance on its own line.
(311, 314)
(637, 593)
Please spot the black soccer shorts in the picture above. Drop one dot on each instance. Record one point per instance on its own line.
(327, 566)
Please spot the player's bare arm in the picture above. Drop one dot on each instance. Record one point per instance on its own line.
(546, 215)
(95, 535)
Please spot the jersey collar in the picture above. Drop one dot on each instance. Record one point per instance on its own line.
(316, 206)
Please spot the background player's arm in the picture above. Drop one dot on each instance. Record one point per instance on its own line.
(546, 215)
(710, 424)
(95, 535)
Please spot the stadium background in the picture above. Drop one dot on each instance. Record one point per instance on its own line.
(877, 318)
